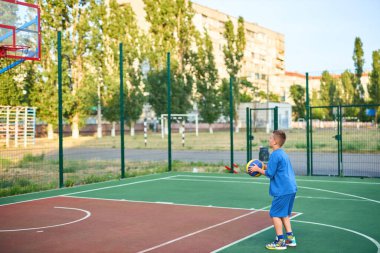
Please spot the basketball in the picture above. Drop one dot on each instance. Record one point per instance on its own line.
(259, 163)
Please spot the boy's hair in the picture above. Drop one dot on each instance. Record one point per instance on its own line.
(280, 137)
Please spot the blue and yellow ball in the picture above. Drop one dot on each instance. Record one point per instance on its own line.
(251, 163)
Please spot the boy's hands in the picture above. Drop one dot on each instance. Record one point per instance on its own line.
(256, 168)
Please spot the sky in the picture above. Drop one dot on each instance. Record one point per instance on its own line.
(319, 34)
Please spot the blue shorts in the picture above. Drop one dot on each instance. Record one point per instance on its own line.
(282, 206)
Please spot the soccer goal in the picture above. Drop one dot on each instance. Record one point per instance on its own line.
(179, 118)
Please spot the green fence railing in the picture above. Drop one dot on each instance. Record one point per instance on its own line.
(342, 144)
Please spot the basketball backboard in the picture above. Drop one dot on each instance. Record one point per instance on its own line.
(20, 35)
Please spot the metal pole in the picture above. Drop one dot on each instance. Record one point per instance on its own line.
(145, 132)
(275, 120)
(183, 133)
(60, 114)
(169, 115)
(247, 131)
(231, 125)
(308, 125)
(267, 112)
(99, 115)
(121, 111)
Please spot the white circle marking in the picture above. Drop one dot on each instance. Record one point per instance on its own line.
(88, 214)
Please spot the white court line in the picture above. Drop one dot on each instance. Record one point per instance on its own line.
(78, 186)
(310, 197)
(256, 233)
(298, 180)
(301, 187)
(96, 189)
(163, 203)
(88, 214)
(216, 181)
(121, 185)
(345, 229)
(201, 230)
(341, 193)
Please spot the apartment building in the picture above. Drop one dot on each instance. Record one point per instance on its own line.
(264, 56)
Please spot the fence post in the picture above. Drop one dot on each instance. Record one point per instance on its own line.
(248, 135)
(340, 141)
(231, 125)
(60, 115)
(122, 167)
(145, 132)
(169, 115)
(275, 111)
(307, 124)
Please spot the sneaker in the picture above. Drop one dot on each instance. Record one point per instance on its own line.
(277, 244)
(291, 241)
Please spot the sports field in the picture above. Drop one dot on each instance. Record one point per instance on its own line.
(191, 212)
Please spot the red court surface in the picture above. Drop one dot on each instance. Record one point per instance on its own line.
(67, 224)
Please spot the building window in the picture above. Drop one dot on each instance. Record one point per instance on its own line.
(257, 76)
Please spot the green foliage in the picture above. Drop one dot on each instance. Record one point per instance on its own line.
(300, 145)
(298, 93)
(271, 96)
(4, 162)
(353, 146)
(168, 18)
(181, 87)
(10, 92)
(246, 98)
(19, 186)
(329, 93)
(233, 55)
(69, 182)
(206, 75)
(374, 84)
(374, 81)
(30, 158)
(225, 98)
(319, 113)
(69, 169)
(358, 58)
(234, 50)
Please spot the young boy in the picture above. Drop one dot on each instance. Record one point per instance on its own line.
(282, 188)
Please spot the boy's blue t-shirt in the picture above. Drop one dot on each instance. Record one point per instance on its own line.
(281, 174)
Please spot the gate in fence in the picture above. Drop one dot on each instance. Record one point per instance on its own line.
(342, 144)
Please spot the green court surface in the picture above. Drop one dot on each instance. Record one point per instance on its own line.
(332, 214)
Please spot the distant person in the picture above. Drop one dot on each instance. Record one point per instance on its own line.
(282, 188)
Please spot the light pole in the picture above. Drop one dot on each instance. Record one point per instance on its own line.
(268, 123)
(99, 115)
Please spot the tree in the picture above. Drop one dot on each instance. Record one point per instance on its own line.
(374, 81)
(77, 40)
(206, 75)
(358, 58)
(10, 92)
(318, 113)
(156, 86)
(298, 94)
(233, 55)
(234, 50)
(119, 24)
(171, 30)
(41, 79)
(347, 81)
(328, 91)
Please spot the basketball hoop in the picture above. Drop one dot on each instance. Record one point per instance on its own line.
(4, 49)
